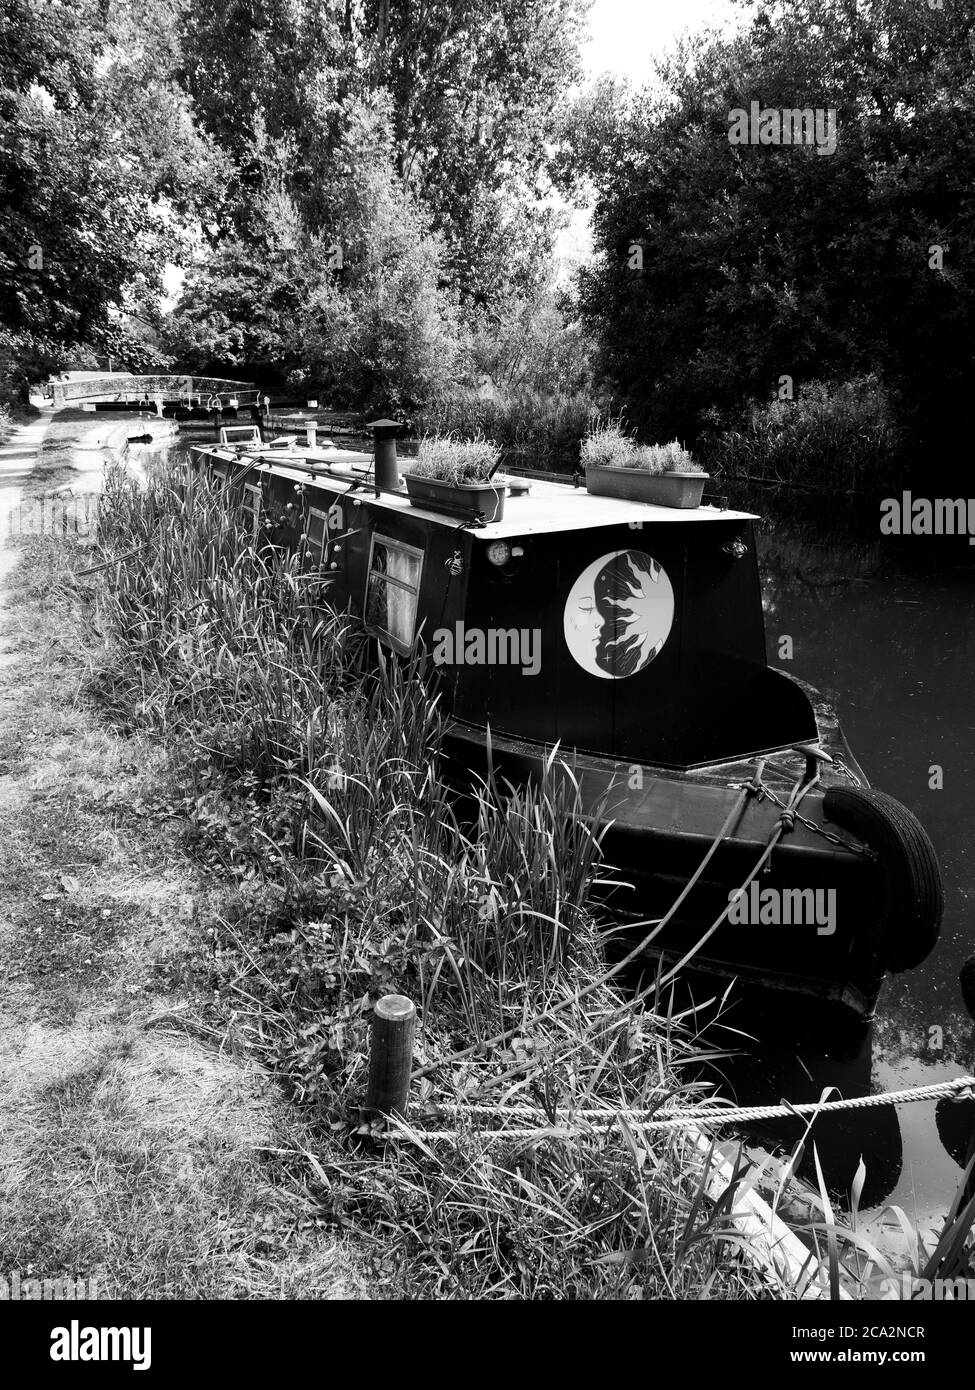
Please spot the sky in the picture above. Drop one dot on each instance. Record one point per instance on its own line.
(624, 34)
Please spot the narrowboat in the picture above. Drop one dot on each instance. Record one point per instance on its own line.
(630, 637)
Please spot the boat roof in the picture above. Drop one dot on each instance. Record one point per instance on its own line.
(547, 508)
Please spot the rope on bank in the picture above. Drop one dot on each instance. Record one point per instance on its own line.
(686, 1116)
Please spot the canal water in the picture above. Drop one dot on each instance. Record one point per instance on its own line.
(894, 650)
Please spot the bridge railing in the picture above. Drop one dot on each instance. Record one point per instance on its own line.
(131, 388)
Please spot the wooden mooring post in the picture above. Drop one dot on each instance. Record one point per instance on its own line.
(390, 1056)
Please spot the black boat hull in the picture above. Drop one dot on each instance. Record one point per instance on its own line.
(658, 834)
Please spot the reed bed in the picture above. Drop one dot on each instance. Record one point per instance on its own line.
(310, 773)
(528, 425)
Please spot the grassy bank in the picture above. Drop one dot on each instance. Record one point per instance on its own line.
(338, 873)
(136, 1149)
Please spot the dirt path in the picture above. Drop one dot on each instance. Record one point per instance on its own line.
(17, 456)
(133, 1151)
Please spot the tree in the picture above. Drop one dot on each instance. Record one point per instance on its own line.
(356, 309)
(478, 90)
(243, 301)
(98, 169)
(723, 268)
(386, 333)
(472, 92)
(266, 75)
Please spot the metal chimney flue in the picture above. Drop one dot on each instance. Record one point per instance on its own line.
(384, 436)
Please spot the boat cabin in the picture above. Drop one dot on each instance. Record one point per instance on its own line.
(618, 628)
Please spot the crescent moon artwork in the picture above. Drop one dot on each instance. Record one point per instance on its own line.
(619, 614)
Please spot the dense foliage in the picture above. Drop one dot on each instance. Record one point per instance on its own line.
(389, 165)
(361, 308)
(101, 167)
(732, 273)
(472, 94)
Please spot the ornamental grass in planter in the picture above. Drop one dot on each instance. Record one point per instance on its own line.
(664, 474)
(456, 476)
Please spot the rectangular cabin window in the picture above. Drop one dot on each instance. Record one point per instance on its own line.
(240, 434)
(392, 591)
(252, 505)
(316, 529)
(218, 472)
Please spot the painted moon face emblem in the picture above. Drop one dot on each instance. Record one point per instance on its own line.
(619, 614)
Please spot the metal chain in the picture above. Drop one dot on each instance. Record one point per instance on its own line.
(820, 830)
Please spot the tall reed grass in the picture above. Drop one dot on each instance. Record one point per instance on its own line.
(839, 435)
(529, 426)
(456, 460)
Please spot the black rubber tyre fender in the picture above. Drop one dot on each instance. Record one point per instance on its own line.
(913, 898)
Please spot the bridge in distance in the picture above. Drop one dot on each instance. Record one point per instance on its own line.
(210, 392)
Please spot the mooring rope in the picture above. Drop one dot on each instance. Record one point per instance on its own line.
(683, 1115)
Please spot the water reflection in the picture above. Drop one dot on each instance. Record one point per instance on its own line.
(842, 1137)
